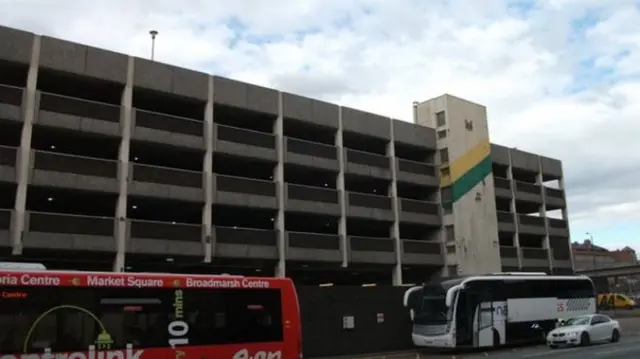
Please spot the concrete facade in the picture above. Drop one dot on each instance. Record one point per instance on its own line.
(135, 161)
(495, 199)
(126, 163)
(467, 185)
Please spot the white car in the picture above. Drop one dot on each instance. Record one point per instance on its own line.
(584, 330)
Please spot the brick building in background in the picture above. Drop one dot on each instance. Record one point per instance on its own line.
(587, 255)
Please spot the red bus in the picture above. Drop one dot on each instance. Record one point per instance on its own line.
(83, 315)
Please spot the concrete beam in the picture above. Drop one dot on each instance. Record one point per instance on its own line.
(612, 272)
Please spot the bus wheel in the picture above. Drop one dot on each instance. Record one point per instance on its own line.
(615, 336)
(584, 339)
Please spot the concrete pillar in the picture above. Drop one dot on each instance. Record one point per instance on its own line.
(513, 209)
(565, 215)
(442, 233)
(30, 104)
(342, 224)
(127, 121)
(447, 219)
(396, 275)
(208, 236)
(543, 213)
(278, 176)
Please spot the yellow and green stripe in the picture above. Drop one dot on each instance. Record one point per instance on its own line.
(468, 170)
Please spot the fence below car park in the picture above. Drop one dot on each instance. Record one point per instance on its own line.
(353, 320)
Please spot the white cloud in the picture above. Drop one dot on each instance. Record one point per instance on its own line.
(382, 55)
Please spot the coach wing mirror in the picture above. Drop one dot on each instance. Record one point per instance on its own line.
(412, 297)
(451, 293)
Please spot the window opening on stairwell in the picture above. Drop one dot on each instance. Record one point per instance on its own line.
(453, 270)
(446, 195)
(445, 172)
(442, 134)
(444, 155)
(441, 119)
(468, 124)
(450, 233)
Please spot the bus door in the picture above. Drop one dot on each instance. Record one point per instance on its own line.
(464, 320)
(483, 319)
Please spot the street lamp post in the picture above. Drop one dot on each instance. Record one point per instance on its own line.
(153, 34)
(590, 236)
(595, 264)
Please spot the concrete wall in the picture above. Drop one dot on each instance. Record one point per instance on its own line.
(466, 181)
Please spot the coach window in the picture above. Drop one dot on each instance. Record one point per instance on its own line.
(545, 288)
(576, 289)
(512, 288)
(515, 288)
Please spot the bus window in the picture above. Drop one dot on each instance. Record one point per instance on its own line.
(47, 318)
(68, 319)
(234, 316)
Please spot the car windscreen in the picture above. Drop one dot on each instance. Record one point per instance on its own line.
(577, 321)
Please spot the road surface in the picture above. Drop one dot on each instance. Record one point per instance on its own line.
(627, 348)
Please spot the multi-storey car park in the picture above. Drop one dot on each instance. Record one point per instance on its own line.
(111, 162)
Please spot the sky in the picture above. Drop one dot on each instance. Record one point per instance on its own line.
(559, 77)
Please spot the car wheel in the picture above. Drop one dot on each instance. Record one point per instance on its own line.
(553, 346)
(584, 339)
(615, 336)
